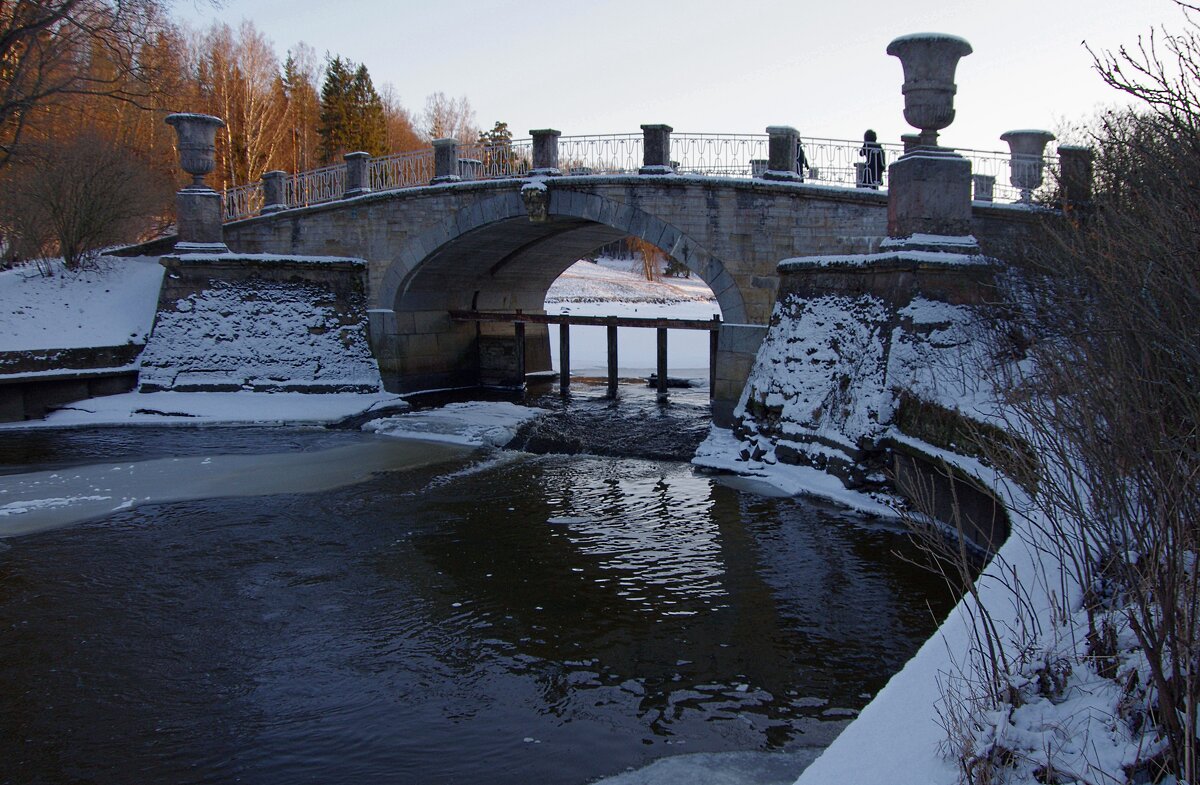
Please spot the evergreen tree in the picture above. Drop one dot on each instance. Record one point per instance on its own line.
(499, 136)
(337, 113)
(370, 127)
(497, 153)
(352, 115)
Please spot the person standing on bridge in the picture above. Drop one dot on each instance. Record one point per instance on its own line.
(873, 152)
(801, 161)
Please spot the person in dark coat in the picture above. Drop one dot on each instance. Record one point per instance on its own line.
(873, 152)
(801, 161)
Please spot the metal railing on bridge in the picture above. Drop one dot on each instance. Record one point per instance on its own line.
(831, 162)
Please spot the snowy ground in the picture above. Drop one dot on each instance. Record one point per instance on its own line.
(114, 302)
(110, 303)
(610, 287)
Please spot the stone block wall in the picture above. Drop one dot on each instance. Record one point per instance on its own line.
(233, 322)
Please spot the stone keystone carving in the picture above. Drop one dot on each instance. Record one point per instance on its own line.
(537, 201)
(929, 61)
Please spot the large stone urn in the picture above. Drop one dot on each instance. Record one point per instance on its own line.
(929, 61)
(1027, 149)
(929, 187)
(198, 207)
(197, 143)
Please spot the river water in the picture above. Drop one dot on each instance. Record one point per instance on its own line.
(481, 617)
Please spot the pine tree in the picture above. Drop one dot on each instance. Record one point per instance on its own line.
(352, 115)
(370, 127)
(337, 113)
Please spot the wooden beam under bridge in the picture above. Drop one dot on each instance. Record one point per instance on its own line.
(519, 319)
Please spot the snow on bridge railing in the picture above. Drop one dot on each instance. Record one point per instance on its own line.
(834, 162)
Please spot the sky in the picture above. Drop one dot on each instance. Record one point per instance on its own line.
(720, 66)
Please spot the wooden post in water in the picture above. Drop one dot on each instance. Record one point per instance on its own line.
(612, 357)
(714, 339)
(564, 358)
(662, 363)
(519, 331)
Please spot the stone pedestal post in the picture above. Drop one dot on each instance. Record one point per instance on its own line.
(929, 192)
(199, 216)
(656, 150)
(1075, 175)
(199, 213)
(274, 196)
(985, 187)
(783, 146)
(545, 153)
(357, 180)
(910, 141)
(445, 161)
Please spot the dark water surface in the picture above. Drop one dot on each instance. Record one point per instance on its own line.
(503, 618)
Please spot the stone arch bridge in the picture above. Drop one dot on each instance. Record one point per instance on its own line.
(499, 244)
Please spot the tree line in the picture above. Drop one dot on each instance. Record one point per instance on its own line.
(86, 84)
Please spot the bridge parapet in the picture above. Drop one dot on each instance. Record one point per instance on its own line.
(830, 162)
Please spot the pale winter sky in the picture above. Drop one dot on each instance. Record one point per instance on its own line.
(731, 66)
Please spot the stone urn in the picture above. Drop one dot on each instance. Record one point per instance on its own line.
(1027, 149)
(197, 143)
(929, 61)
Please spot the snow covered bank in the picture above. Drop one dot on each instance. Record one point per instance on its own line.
(108, 303)
(1063, 722)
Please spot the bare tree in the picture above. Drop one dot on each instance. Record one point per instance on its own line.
(1103, 307)
(79, 196)
(401, 133)
(446, 118)
(237, 77)
(49, 50)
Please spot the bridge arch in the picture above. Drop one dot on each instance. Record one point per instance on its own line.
(502, 253)
(493, 255)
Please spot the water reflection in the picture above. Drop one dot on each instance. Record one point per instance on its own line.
(545, 618)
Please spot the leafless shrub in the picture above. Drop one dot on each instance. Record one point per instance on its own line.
(1110, 401)
(79, 195)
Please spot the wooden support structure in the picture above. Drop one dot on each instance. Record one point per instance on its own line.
(713, 343)
(564, 358)
(612, 357)
(519, 320)
(519, 336)
(662, 363)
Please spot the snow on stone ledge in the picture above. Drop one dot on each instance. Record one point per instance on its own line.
(229, 256)
(883, 258)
